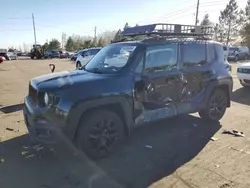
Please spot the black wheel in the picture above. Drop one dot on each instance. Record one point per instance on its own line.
(78, 65)
(100, 133)
(216, 106)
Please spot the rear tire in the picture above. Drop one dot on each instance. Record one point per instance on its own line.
(215, 107)
(100, 132)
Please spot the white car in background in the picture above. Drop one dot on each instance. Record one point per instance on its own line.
(8, 55)
(85, 55)
(12, 55)
(243, 74)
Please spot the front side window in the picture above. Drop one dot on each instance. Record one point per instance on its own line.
(111, 58)
(161, 57)
(193, 54)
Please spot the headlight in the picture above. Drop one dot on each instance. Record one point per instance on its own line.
(239, 70)
(46, 99)
(51, 100)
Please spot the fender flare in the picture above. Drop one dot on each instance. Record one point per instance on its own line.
(219, 83)
(79, 108)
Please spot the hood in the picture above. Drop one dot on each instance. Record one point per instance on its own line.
(63, 79)
(245, 65)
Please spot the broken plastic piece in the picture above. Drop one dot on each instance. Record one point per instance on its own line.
(214, 139)
(234, 132)
(24, 152)
(9, 129)
(148, 146)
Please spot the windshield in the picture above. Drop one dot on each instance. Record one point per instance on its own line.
(111, 58)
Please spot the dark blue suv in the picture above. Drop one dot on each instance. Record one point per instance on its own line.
(129, 83)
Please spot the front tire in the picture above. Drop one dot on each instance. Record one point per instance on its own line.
(216, 106)
(100, 132)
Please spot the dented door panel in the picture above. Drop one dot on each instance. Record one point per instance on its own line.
(156, 95)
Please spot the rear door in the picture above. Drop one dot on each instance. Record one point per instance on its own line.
(157, 89)
(196, 69)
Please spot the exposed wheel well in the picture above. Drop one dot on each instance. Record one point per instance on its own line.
(114, 107)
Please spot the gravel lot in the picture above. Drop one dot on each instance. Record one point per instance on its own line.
(182, 153)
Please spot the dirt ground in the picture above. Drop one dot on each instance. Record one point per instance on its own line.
(175, 153)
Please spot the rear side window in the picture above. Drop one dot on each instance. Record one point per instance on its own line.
(193, 54)
(219, 52)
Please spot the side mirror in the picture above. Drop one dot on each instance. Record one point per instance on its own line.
(224, 48)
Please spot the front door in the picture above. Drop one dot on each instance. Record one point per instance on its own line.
(158, 88)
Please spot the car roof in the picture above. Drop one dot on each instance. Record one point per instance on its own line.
(163, 40)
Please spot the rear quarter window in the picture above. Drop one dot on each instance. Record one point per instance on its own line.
(193, 54)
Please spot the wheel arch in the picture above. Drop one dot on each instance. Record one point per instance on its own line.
(226, 85)
(118, 105)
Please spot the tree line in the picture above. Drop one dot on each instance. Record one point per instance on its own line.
(232, 27)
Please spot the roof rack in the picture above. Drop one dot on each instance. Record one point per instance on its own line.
(169, 30)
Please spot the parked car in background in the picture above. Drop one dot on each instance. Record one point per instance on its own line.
(8, 55)
(12, 55)
(63, 54)
(74, 56)
(243, 74)
(2, 59)
(237, 53)
(51, 54)
(84, 56)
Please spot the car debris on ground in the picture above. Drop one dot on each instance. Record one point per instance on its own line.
(234, 132)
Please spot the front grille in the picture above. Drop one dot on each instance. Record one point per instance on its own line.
(33, 94)
(36, 97)
(242, 70)
(247, 81)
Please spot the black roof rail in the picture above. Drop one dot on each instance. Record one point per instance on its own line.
(169, 30)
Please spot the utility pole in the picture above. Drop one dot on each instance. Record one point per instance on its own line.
(95, 34)
(34, 27)
(62, 41)
(197, 12)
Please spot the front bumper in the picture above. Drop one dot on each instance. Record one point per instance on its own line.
(40, 129)
(244, 78)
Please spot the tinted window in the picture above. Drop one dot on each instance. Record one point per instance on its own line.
(161, 57)
(233, 49)
(193, 54)
(83, 53)
(138, 69)
(211, 52)
(94, 51)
